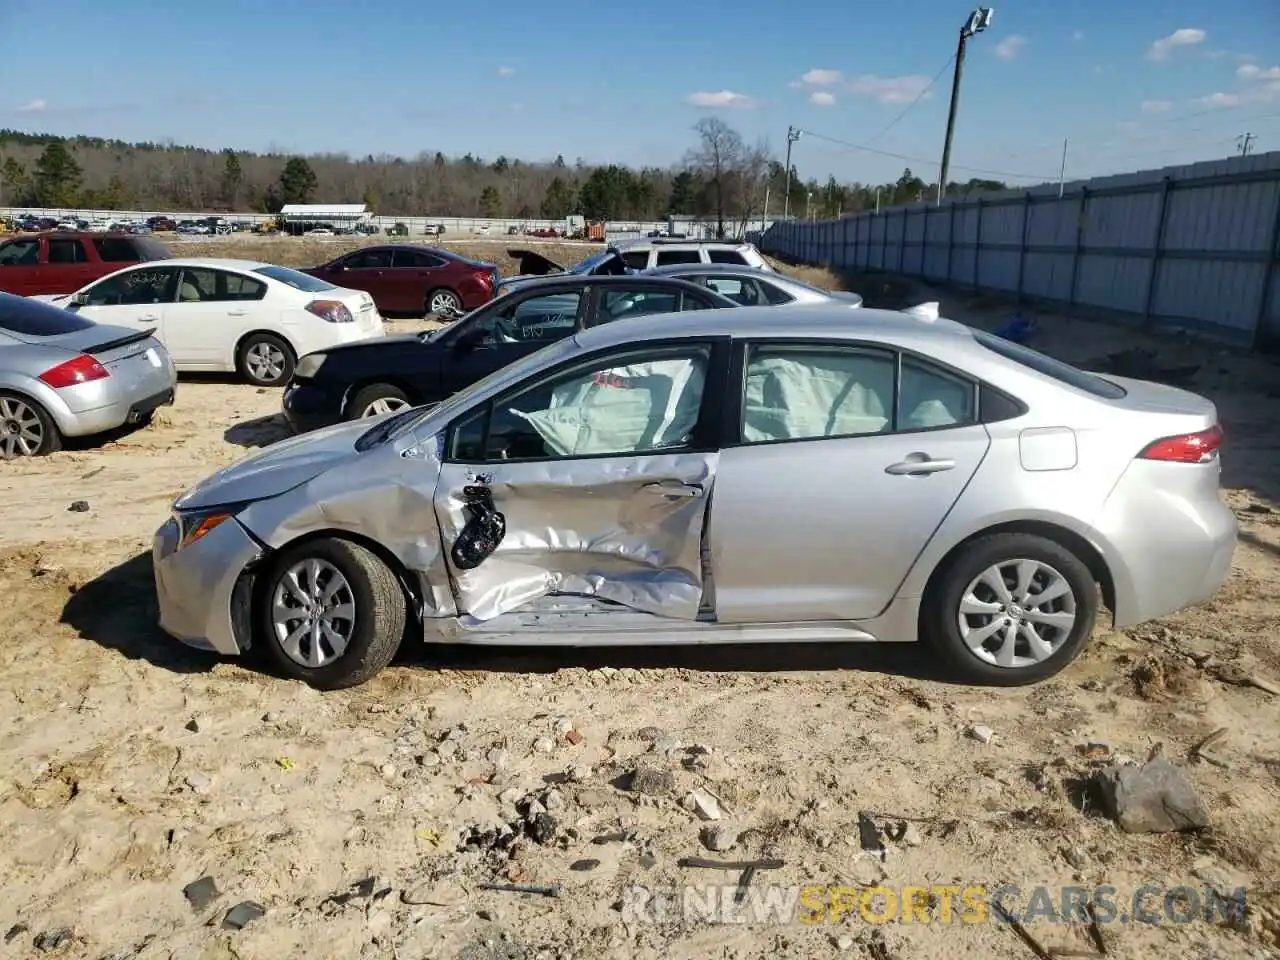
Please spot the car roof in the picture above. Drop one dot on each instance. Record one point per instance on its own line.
(217, 263)
(604, 280)
(807, 321)
(675, 269)
(665, 242)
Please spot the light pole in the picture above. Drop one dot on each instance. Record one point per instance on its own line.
(978, 21)
(793, 134)
(808, 205)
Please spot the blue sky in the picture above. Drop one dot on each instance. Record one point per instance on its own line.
(1132, 83)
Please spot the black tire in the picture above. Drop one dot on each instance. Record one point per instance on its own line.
(442, 293)
(252, 371)
(16, 410)
(370, 395)
(939, 618)
(377, 627)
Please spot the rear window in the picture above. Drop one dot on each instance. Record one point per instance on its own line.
(727, 256)
(31, 318)
(129, 250)
(299, 281)
(1062, 372)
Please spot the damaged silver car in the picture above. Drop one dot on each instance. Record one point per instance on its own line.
(763, 475)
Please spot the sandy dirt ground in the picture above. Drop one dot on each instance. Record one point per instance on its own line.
(364, 823)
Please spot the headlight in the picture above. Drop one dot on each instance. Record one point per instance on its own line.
(309, 366)
(196, 524)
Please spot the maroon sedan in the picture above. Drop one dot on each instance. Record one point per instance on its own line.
(409, 279)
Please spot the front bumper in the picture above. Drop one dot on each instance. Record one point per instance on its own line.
(308, 407)
(196, 586)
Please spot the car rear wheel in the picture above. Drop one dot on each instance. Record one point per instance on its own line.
(332, 613)
(265, 360)
(25, 429)
(1011, 609)
(444, 304)
(377, 399)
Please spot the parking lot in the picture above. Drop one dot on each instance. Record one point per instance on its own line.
(132, 767)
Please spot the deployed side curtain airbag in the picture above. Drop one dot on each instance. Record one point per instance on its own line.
(817, 395)
(641, 406)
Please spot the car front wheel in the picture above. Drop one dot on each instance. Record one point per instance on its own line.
(377, 399)
(1011, 609)
(332, 613)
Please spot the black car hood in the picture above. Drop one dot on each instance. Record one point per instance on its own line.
(373, 344)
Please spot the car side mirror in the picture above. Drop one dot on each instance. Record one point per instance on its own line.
(80, 299)
(468, 340)
(337, 266)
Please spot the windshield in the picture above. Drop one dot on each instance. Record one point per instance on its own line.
(294, 278)
(516, 371)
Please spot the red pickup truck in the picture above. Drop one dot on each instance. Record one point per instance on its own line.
(32, 264)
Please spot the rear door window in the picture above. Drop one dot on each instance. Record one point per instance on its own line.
(669, 257)
(415, 259)
(116, 250)
(62, 250)
(636, 259)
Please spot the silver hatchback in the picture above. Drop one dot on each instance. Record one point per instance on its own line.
(763, 475)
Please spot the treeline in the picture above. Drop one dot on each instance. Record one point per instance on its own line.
(721, 179)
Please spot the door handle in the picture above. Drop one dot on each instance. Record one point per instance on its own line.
(919, 465)
(689, 491)
(235, 313)
(150, 317)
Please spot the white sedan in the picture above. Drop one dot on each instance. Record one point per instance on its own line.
(218, 315)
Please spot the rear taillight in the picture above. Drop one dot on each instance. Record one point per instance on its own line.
(332, 310)
(1187, 448)
(81, 369)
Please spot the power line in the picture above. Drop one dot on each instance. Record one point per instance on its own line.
(919, 96)
(1004, 174)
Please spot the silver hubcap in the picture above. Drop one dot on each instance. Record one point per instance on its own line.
(313, 613)
(444, 303)
(384, 405)
(21, 432)
(265, 361)
(1017, 613)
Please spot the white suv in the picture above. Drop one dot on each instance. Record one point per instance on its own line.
(646, 253)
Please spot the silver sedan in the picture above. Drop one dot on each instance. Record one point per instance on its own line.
(765, 475)
(64, 376)
(756, 288)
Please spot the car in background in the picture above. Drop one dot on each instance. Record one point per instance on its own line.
(230, 315)
(54, 263)
(413, 280)
(769, 475)
(625, 256)
(65, 376)
(749, 287)
(368, 379)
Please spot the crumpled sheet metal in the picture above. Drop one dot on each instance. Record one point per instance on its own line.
(588, 528)
(388, 501)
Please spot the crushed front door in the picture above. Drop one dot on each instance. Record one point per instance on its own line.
(602, 474)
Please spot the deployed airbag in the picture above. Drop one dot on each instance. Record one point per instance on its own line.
(816, 395)
(642, 406)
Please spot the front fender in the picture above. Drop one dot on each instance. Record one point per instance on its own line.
(384, 496)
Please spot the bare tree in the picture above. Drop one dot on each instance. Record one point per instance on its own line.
(718, 157)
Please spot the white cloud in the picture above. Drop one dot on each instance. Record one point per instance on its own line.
(891, 89)
(1156, 106)
(35, 106)
(506, 71)
(1010, 46)
(1077, 35)
(1184, 37)
(721, 99)
(1251, 71)
(819, 77)
(1219, 100)
(820, 98)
